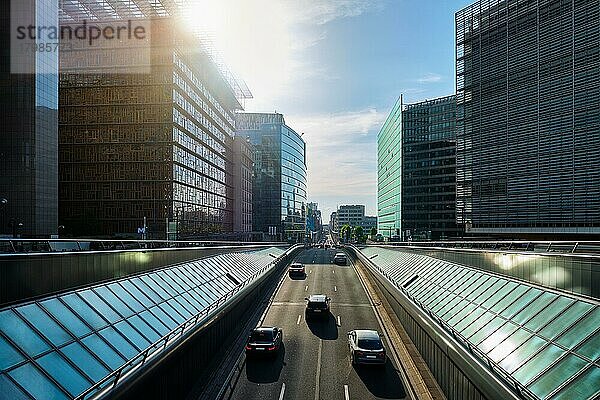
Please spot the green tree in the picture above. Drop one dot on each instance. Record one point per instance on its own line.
(345, 232)
(373, 232)
(358, 233)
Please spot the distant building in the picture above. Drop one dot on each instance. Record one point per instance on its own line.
(354, 215)
(243, 164)
(29, 138)
(428, 185)
(389, 170)
(279, 186)
(528, 129)
(155, 145)
(350, 215)
(314, 226)
(333, 222)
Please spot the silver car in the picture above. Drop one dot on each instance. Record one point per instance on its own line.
(366, 347)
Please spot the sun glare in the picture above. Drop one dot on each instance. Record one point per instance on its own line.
(251, 37)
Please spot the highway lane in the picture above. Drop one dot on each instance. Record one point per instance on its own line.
(314, 362)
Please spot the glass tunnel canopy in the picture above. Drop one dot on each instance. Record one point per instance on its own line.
(547, 341)
(59, 346)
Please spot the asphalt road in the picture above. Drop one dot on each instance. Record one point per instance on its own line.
(314, 361)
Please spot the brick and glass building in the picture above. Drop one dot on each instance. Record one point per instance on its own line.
(528, 134)
(155, 144)
(279, 185)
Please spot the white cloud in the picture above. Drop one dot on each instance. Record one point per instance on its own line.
(430, 77)
(321, 12)
(341, 153)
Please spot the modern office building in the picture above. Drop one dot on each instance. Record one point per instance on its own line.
(368, 223)
(279, 186)
(29, 139)
(314, 226)
(350, 215)
(243, 164)
(389, 170)
(153, 146)
(429, 169)
(528, 129)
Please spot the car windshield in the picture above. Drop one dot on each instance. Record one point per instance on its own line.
(370, 344)
(261, 336)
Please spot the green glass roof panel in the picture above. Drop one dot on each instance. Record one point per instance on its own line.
(557, 375)
(591, 347)
(565, 320)
(509, 344)
(486, 331)
(9, 390)
(503, 303)
(44, 324)
(585, 386)
(64, 373)
(533, 308)
(518, 304)
(22, 334)
(538, 363)
(581, 330)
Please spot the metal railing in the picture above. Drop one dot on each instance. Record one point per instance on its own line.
(112, 380)
(565, 247)
(19, 246)
(492, 365)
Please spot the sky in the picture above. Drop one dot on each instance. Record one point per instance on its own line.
(334, 69)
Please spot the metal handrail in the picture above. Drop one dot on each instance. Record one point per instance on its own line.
(518, 386)
(162, 343)
(561, 247)
(26, 246)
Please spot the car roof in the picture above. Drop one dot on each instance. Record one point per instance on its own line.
(366, 334)
(317, 297)
(340, 254)
(296, 264)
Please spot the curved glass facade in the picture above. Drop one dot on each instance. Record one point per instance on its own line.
(279, 185)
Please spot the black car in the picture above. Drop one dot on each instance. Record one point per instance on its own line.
(264, 340)
(366, 347)
(317, 305)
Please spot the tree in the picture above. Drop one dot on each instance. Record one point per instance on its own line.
(358, 233)
(373, 232)
(345, 232)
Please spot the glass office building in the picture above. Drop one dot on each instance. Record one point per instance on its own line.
(155, 145)
(389, 173)
(429, 169)
(279, 186)
(28, 143)
(528, 134)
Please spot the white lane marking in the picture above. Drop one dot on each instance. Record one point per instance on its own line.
(335, 288)
(333, 271)
(282, 392)
(339, 321)
(317, 381)
(310, 271)
(346, 394)
(306, 288)
(299, 317)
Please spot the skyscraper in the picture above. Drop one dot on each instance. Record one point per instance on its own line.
(279, 186)
(29, 104)
(389, 172)
(429, 169)
(154, 145)
(528, 129)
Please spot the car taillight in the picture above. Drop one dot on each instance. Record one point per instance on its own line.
(271, 348)
(382, 354)
(359, 353)
(248, 347)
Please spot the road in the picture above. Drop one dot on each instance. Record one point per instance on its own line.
(314, 362)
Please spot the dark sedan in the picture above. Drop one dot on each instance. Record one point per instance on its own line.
(264, 340)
